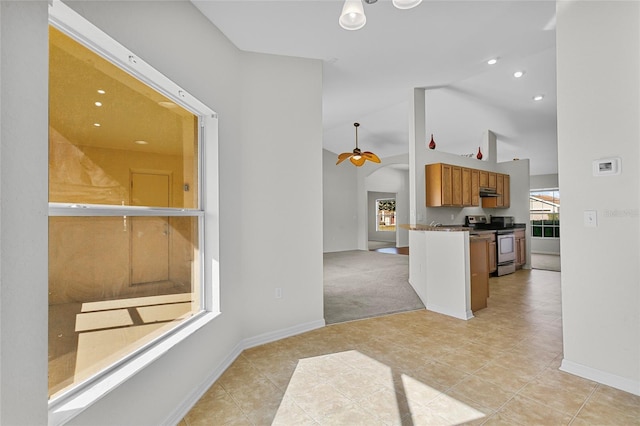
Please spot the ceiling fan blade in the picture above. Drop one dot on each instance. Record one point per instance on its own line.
(370, 156)
(359, 162)
(343, 157)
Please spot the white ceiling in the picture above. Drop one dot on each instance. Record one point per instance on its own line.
(369, 74)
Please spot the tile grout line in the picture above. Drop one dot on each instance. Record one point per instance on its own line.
(593, 391)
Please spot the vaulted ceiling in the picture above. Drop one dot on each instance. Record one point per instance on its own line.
(369, 74)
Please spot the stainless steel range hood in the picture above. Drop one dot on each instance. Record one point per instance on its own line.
(488, 192)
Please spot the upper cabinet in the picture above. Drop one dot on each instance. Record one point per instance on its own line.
(503, 189)
(455, 186)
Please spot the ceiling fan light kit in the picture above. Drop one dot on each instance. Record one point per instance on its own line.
(352, 17)
(406, 4)
(357, 157)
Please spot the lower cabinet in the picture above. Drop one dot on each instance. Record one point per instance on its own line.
(521, 248)
(493, 261)
(479, 259)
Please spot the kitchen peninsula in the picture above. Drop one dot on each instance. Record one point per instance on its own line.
(441, 270)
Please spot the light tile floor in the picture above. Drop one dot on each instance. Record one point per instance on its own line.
(422, 368)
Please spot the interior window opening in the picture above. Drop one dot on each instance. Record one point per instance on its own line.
(125, 217)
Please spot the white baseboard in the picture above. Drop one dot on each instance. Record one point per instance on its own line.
(191, 400)
(281, 334)
(615, 381)
(463, 315)
(545, 252)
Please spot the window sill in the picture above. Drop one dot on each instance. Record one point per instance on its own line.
(66, 407)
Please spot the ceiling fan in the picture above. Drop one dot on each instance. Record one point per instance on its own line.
(358, 157)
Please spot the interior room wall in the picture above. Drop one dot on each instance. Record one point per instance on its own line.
(425, 119)
(519, 179)
(455, 115)
(23, 212)
(393, 178)
(369, 180)
(598, 110)
(373, 234)
(284, 252)
(255, 109)
(339, 204)
(544, 181)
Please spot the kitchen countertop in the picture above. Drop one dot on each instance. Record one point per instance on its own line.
(443, 228)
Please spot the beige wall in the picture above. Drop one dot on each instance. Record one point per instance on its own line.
(90, 258)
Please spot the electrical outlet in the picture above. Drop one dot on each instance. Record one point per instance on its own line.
(278, 293)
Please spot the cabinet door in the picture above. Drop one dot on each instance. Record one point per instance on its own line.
(499, 189)
(521, 254)
(484, 178)
(456, 186)
(475, 187)
(479, 274)
(493, 264)
(437, 184)
(493, 181)
(447, 199)
(506, 192)
(466, 187)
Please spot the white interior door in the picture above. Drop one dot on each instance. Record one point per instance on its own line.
(150, 235)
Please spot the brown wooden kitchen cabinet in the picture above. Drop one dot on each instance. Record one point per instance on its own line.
(466, 187)
(456, 186)
(479, 268)
(506, 193)
(521, 248)
(447, 185)
(451, 186)
(438, 181)
(503, 189)
(493, 183)
(493, 260)
(475, 187)
(484, 178)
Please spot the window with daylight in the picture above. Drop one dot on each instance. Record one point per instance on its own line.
(544, 211)
(126, 211)
(386, 220)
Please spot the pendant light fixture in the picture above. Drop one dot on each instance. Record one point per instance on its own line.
(358, 157)
(352, 17)
(406, 4)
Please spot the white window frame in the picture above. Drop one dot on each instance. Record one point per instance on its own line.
(69, 404)
(542, 226)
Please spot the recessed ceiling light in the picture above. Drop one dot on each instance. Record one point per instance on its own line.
(98, 104)
(96, 124)
(141, 142)
(518, 74)
(538, 97)
(167, 104)
(102, 92)
(492, 61)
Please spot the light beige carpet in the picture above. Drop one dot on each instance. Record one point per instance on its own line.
(363, 284)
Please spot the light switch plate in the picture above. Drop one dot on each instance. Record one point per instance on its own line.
(591, 218)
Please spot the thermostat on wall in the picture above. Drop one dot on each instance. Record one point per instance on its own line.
(606, 167)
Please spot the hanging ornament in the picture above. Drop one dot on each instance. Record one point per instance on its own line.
(432, 144)
(479, 154)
